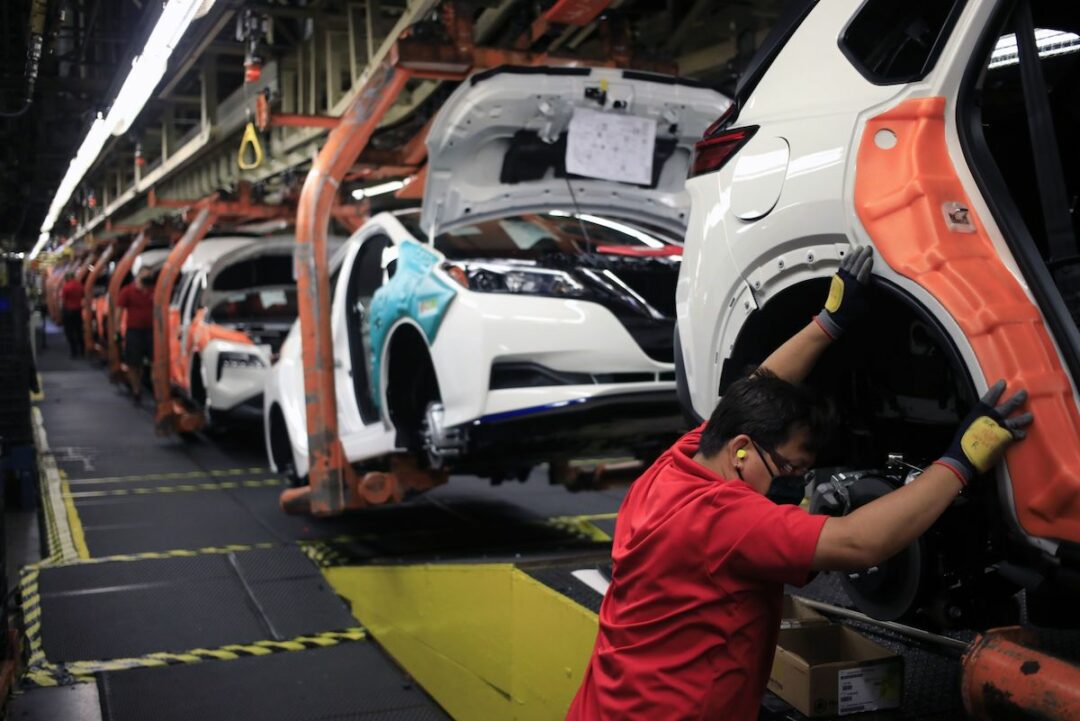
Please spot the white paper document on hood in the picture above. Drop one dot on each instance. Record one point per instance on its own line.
(610, 146)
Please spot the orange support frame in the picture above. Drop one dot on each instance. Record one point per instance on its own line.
(88, 295)
(123, 267)
(333, 485)
(900, 193)
(171, 414)
(1006, 677)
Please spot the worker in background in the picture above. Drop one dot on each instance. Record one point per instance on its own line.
(138, 300)
(71, 301)
(689, 624)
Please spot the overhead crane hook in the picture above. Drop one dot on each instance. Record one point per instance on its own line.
(250, 140)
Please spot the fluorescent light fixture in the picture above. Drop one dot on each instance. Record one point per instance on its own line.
(380, 189)
(1048, 42)
(146, 72)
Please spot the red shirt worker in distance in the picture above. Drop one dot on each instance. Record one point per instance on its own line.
(137, 299)
(71, 301)
(700, 557)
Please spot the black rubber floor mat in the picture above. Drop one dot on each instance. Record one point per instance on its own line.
(559, 577)
(132, 608)
(353, 681)
(167, 521)
(79, 701)
(607, 525)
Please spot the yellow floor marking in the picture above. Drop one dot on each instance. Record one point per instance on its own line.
(216, 473)
(182, 488)
(78, 536)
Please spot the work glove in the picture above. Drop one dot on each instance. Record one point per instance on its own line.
(847, 301)
(986, 433)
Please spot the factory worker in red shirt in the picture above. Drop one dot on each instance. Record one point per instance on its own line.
(700, 556)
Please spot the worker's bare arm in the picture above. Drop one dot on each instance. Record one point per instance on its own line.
(881, 529)
(794, 360)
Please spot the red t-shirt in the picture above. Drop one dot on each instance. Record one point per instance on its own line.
(689, 624)
(140, 306)
(71, 295)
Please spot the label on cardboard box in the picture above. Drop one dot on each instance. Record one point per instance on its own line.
(866, 688)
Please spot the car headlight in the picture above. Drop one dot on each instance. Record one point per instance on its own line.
(497, 278)
(229, 359)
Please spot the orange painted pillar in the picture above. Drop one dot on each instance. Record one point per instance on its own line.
(171, 415)
(1004, 678)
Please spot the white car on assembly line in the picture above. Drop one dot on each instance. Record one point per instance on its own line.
(942, 134)
(526, 314)
(239, 311)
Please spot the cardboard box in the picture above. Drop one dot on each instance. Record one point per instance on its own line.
(829, 670)
(796, 614)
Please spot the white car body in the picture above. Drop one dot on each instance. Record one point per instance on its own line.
(186, 301)
(780, 213)
(225, 357)
(236, 352)
(467, 332)
(152, 259)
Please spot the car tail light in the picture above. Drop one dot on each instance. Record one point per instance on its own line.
(720, 122)
(711, 154)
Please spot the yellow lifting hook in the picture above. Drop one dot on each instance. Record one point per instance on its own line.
(250, 139)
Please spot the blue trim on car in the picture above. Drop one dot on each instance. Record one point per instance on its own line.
(507, 415)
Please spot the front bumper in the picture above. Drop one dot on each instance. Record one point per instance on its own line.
(249, 411)
(632, 424)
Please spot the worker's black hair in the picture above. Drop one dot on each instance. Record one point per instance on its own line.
(768, 409)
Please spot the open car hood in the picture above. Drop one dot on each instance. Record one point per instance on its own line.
(264, 248)
(264, 262)
(499, 145)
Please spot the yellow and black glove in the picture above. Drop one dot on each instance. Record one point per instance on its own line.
(986, 433)
(847, 301)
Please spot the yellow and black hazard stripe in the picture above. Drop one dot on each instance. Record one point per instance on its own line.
(49, 674)
(173, 475)
(325, 554)
(63, 529)
(181, 488)
(158, 555)
(583, 526)
(30, 603)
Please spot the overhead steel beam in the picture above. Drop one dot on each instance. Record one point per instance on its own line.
(197, 52)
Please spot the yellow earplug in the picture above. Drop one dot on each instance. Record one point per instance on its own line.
(741, 453)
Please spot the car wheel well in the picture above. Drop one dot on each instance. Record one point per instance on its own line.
(900, 386)
(411, 384)
(913, 359)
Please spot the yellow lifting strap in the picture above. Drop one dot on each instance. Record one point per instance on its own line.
(250, 139)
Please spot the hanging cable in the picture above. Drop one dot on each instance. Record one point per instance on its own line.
(577, 214)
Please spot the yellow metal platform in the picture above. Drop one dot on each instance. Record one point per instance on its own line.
(487, 641)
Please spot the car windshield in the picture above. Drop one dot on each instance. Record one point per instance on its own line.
(256, 305)
(533, 235)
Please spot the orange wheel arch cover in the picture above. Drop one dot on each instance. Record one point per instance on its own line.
(899, 195)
